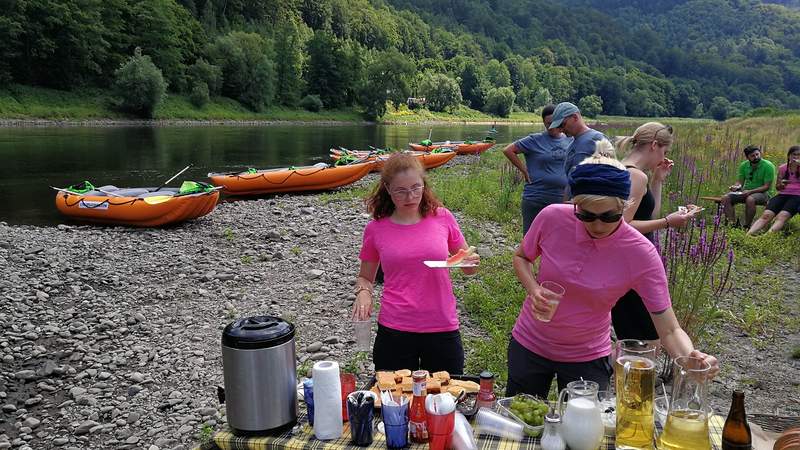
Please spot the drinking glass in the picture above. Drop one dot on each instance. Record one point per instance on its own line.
(553, 292)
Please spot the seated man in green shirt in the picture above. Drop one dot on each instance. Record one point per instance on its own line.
(755, 184)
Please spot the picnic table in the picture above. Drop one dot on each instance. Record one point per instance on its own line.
(302, 438)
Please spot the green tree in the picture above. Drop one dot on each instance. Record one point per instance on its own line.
(204, 72)
(139, 85)
(388, 77)
(167, 32)
(719, 109)
(591, 105)
(497, 74)
(440, 91)
(199, 95)
(324, 73)
(474, 85)
(499, 101)
(290, 39)
(248, 72)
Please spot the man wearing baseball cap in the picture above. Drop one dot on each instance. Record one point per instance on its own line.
(568, 118)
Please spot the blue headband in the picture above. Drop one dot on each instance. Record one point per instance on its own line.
(600, 179)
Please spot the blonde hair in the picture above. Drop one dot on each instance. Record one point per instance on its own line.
(644, 135)
(604, 153)
(584, 200)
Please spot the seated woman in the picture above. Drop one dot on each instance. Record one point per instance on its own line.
(417, 325)
(588, 249)
(787, 203)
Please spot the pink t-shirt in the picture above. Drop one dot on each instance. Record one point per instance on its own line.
(415, 297)
(793, 188)
(595, 274)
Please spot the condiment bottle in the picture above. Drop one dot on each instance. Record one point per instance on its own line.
(486, 397)
(736, 432)
(551, 438)
(416, 414)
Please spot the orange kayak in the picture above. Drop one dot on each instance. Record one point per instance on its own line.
(428, 160)
(295, 179)
(377, 160)
(462, 148)
(136, 207)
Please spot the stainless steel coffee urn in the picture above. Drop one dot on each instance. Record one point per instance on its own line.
(258, 359)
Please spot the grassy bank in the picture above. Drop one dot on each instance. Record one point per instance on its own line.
(24, 102)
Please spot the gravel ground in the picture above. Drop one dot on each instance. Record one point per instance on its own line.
(110, 336)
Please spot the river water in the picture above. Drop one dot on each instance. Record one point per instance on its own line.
(33, 159)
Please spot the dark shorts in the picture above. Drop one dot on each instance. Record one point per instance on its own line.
(533, 374)
(433, 352)
(788, 203)
(530, 209)
(759, 197)
(631, 319)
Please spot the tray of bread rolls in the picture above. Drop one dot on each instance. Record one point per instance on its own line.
(463, 387)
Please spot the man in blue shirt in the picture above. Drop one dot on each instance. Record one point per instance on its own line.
(567, 117)
(543, 170)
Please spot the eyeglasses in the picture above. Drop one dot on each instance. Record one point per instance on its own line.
(667, 127)
(415, 191)
(564, 122)
(606, 217)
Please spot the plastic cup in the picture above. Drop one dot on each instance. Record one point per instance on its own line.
(395, 425)
(440, 430)
(489, 422)
(608, 403)
(553, 293)
(362, 329)
(348, 381)
(308, 396)
(360, 420)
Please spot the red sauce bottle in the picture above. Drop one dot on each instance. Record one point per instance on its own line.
(416, 414)
(486, 396)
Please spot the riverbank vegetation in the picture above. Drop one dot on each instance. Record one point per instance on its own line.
(699, 58)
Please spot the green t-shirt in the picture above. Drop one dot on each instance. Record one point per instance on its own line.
(763, 173)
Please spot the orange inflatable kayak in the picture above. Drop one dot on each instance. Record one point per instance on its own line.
(462, 148)
(351, 156)
(294, 179)
(137, 207)
(428, 160)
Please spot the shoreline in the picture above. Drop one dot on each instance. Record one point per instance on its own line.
(110, 123)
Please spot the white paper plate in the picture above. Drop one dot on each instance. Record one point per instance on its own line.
(443, 265)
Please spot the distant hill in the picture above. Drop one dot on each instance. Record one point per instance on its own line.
(697, 58)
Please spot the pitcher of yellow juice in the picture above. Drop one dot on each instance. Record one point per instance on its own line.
(635, 381)
(687, 420)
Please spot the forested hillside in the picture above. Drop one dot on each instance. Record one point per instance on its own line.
(627, 57)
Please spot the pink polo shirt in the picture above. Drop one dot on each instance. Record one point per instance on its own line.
(793, 188)
(415, 297)
(595, 274)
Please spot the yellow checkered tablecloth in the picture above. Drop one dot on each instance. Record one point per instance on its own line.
(304, 439)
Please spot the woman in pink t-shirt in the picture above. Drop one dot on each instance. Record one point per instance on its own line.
(787, 203)
(597, 257)
(417, 323)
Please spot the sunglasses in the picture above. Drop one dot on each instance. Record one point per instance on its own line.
(606, 217)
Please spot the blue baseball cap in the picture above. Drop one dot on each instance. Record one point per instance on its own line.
(562, 111)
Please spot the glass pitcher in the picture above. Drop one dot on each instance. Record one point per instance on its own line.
(635, 381)
(687, 420)
(582, 425)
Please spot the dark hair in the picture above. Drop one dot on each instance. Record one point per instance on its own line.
(792, 149)
(548, 110)
(750, 149)
(380, 203)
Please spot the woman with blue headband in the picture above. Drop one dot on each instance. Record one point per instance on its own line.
(587, 249)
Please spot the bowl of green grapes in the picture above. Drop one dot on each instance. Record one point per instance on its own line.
(525, 409)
